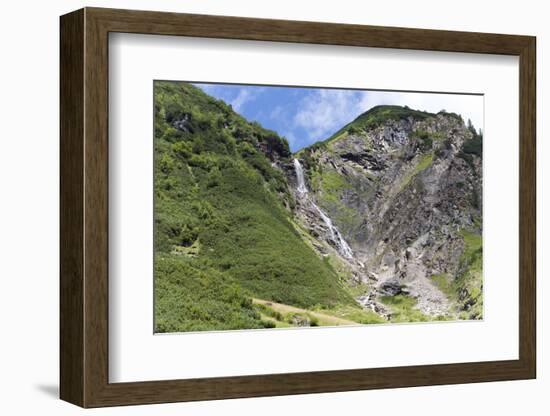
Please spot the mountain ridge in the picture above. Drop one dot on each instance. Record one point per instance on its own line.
(411, 180)
(231, 224)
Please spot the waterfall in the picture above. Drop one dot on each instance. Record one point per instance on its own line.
(343, 247)
(302, 190)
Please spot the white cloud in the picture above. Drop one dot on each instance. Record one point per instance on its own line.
(244, 96)
(323, 111)
(277, 113)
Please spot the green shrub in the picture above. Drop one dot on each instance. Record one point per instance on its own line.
(190, 296)
(353, 130)
(378, 116)
(403, 309)
(469, 282)
(268, 324)
(466, 157)
(166, 164)
(182, 149)
(222, 231)
(266, 310)
(313, 320)
(425, 139)
(456, 116)
(246, 149)
(473, 146)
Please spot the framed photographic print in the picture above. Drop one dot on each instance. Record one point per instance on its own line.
(261, 207)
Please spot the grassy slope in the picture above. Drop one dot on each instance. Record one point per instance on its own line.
(466, 289)
(330, 186)
(377, 116)
(282, 314)
(469, 283)
(403, 309)
(222, 234)
(424, 162)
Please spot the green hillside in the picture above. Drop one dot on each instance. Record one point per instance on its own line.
(223, 223)
(377, 116)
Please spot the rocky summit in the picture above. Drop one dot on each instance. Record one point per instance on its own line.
(381, 222)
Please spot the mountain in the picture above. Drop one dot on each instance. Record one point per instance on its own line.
(404, 188)
(224, 227)
(380, 222)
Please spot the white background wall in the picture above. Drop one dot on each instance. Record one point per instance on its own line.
(29, 224)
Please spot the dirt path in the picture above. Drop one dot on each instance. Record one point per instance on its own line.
(324, 319)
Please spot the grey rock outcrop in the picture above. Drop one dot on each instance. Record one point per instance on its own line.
(400, 192)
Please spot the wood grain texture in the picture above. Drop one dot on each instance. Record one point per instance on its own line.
(71, 208)
(84, 207)
(527, 208)
(225, 27)
(96, 208)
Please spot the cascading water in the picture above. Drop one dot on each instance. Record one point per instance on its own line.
(343, 247)
(302, 190)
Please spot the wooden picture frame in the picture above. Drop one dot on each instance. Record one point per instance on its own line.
(84, 207)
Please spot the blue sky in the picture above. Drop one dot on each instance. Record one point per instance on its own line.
(307, 115)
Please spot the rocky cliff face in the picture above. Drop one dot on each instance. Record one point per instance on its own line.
(404, 190)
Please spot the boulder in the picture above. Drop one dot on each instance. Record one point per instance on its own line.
(391, 287)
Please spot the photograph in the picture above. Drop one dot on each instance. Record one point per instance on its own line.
(297, 206)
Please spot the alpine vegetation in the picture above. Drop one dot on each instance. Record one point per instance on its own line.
(381, 222)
